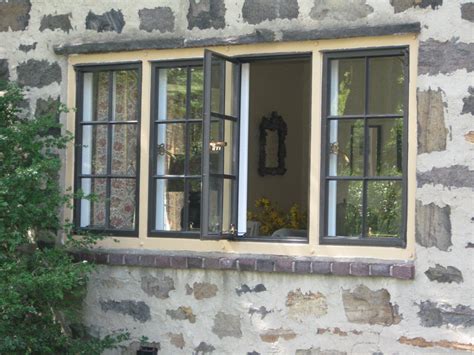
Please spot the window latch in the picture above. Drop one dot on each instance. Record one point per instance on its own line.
(163, 151)
(217, 146)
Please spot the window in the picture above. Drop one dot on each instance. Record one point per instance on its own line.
(107, 135)
(365, 149)
(193, 153)
(176, 148)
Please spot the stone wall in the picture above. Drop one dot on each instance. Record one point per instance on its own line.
(229, 311)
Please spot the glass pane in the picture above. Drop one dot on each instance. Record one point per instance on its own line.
(217, 85)
(346, 147)
(172, 93)
(347, 83)
(384, 208)
(385, 147)
(386, 85)
(93, 209)
(195, 149)
(124, 149)
(171, 148)
(344, 208)
(197, 84)
(94, 149)
(122, 203)
(231, 89)
(194, 206)
(220, 204)
(170, 203)
(222, 147)
(126, 95)
(101, 96)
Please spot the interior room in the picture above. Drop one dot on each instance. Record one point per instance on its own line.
(278, 148)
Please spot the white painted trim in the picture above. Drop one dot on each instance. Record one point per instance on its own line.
(243, 150)
(332, 186)
(87, 147)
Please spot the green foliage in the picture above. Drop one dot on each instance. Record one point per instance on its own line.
(41, 286)
(272, 218)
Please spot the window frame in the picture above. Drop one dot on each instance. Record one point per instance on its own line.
(155, 67)
(80, 70)
(366, 53)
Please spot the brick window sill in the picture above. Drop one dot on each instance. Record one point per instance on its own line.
(398, 269)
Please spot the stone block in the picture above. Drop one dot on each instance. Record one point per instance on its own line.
(227, 325)
(203, 290)
(369, 307)
(283, 264)
(432, 314)
(321, 267)
(467, 11)
(432, 131)
(301, 305)
(445, 57)
(341, 10)
(443, 274)
(205, 14)
(433, 226)
(256, 11)
(178, 262)
(38, 73)
(453, 176)
(14, 15)
(56, 22)
(139, 311)
(158, 19)
(182, 313)
(111, 21)
(159, 287)
(468, 106)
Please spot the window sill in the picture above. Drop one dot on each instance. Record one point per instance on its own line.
(397, 269)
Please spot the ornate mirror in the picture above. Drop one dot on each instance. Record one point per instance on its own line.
(273, 131)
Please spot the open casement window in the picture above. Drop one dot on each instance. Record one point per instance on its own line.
(364, 162)
(219, 204)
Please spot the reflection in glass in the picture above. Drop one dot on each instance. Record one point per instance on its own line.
(345, 208)
(347, 83)
(217, 82)
(220, 204)
(101, 95)
(171, 148)
(94, 149)
(346, 147)
(196, 95)
(172, 93)
(221, 149)
(170, 204)
(126, 95)
(385, 147)
(93, 205)
(122, 203)
(124, 149)
(386, 85)
(384, 208)
(195, 148)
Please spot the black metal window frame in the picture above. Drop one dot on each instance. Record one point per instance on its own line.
(154, 123)
(367, 53)
(80, 70)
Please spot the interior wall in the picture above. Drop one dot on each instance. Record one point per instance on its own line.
(284, 87)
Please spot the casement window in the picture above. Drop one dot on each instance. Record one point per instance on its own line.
(107, 148)
(364, 147)
(201, 167)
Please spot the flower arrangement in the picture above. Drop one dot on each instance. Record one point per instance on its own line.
(272, 218)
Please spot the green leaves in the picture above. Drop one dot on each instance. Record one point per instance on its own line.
(41, 286)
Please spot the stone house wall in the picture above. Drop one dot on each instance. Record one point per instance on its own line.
(241, 311)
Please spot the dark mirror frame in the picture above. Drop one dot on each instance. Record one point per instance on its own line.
(273, 123)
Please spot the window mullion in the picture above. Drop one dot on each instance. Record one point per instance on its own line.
(108, 182)
(187, 150)
(366, 150)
